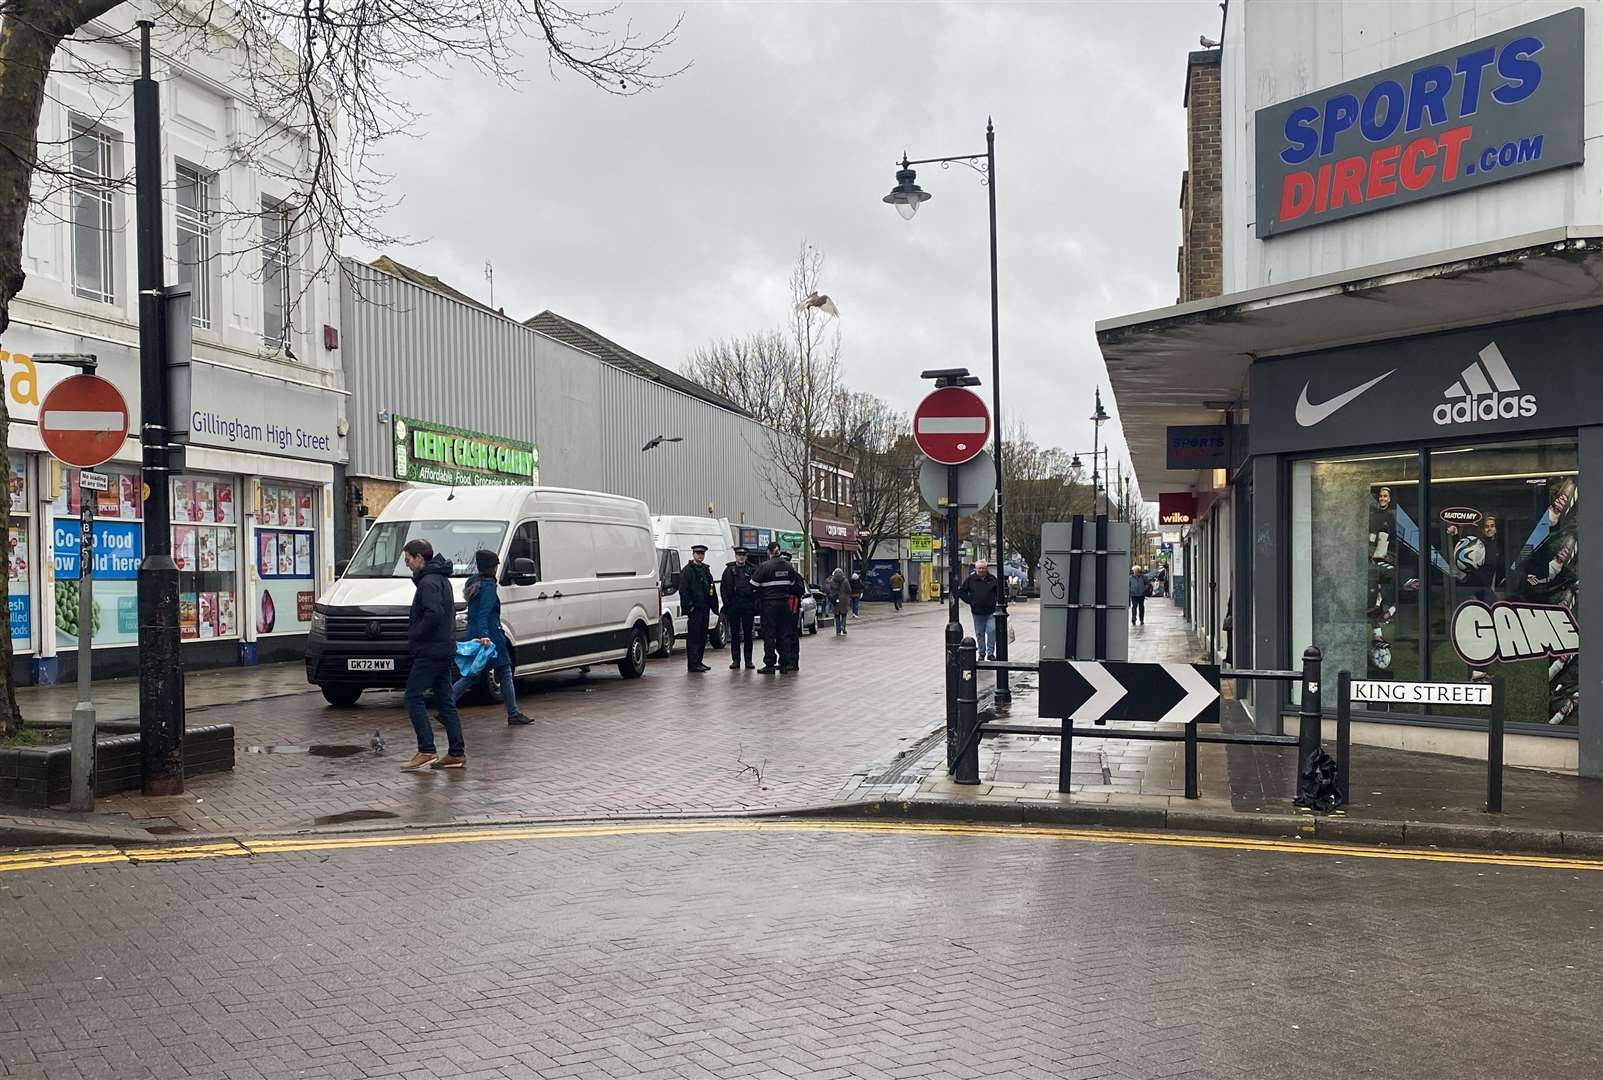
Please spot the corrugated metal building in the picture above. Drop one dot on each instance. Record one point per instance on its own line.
(412, 351)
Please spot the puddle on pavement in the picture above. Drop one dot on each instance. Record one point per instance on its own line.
(315, 750)
(353, 815)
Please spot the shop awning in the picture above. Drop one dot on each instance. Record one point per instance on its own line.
(835, 543)
(1178, 365)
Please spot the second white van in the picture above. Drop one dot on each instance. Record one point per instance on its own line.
(578, 584)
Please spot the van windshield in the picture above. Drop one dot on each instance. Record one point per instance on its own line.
(379, 555)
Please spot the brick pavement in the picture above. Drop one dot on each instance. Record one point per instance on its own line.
(798, 954)
(601, 745)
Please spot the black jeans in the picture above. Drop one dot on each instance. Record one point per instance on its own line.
(695, 636)
(433, 675)
(740, 633)
(775, 616)
(1138, 608)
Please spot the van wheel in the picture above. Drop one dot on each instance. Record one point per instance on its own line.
(633, 665)
(813, 629)
(487, 691)
(718, 634)
(341, 697)
(665, 646)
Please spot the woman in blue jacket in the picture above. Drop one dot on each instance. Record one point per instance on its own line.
(484, 624)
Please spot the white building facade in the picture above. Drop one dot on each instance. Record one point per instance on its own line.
(253, 505)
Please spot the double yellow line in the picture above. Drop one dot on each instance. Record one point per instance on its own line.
(72, 857)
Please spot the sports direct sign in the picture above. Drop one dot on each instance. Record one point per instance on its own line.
(1498, 108)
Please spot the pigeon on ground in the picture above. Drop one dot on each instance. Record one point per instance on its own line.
(377, 742)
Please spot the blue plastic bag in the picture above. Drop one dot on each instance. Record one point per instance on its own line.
(471, 657)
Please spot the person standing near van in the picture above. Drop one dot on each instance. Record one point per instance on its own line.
(898, 588)
(484, 626)
(700, 599)
(778, 584)
(839, 588)
(431, 646)
(740, 606)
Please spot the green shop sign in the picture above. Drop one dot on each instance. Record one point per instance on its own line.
(435, 454)
(790, 541)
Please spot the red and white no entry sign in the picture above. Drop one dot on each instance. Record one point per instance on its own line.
(83, 421)
(951, 425)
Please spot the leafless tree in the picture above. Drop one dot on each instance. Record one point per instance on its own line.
(1041, 487)
(788, 379)
(879, 442)
(326, 75)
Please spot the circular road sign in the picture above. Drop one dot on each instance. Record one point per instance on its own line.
(83, 421)
(951, 425)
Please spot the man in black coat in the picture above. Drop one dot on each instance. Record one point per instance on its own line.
(699, 598)
(431, 645)
(740, 606)
(779, 592)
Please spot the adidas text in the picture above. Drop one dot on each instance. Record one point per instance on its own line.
(1494, 407)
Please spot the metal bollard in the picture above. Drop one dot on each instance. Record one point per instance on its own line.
(1308, 714)
(954, 637)
(968, 715)
(1192, 788)
(1494, 750)
(1344, 742)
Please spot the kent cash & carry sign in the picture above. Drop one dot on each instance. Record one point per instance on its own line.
(1501, 107)
(436, 454)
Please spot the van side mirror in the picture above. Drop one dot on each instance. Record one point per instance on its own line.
(673, 584)
(524, 572)
(340, 567)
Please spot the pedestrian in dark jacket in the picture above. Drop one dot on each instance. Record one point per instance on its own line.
(1138, 597)
(779, 592)
(840, 589)
(699, 599)
(856, 590)
(484, 626)
(979, 591)
(740, 606)
(898, 587)
(431, 645)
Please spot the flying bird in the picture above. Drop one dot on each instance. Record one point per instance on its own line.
(821, 302)
(658, 440)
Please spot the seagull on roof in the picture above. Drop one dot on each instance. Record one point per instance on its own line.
(658, 440)
(821, 302)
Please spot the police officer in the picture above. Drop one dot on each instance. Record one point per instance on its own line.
(699, 598)
(740, 606)
(778, 584)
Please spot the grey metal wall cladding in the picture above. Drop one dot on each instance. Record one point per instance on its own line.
(413, 351)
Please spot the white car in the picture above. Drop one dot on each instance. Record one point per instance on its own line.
(578, 584)
(809, 615)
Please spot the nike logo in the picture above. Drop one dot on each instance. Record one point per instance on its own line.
(1309, 414)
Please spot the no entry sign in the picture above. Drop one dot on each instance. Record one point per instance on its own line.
(83, 421)
(951, 425)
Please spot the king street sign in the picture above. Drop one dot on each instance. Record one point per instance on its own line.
(1487, 382)
(1091, 691)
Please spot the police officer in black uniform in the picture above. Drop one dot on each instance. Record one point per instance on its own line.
(779, 589)
(699, 598)
(740, 606)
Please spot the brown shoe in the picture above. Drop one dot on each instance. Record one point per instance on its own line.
(449, 761)
(419, 760)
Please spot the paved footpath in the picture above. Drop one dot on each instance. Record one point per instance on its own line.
(668, 743)
(827, 950)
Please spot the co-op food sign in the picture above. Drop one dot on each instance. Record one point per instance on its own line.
(1497, 108)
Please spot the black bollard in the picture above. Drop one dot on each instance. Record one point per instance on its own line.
(954, 637)
(968, 715)
(1308, 714)
(1494, 750)
(1344, 734)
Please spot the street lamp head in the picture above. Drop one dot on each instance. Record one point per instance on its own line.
(906, 195)
(1075, 465)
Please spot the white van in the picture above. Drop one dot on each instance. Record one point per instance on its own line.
(674, 535)
(578, 584)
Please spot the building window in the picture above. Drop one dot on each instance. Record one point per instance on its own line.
(275, 274)
(1471, 575)
(195, 198)
(93, 213)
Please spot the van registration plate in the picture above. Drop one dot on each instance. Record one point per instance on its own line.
(370, 665)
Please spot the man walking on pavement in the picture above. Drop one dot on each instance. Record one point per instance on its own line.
(979, 592)
(838, 586)
(898, 587)
(1138, 597)
(431, 645)
(779, 592)
(700, 599)
(740, 606)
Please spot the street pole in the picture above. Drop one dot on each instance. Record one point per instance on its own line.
(161, 676)
(82, 794)
(1003, 694)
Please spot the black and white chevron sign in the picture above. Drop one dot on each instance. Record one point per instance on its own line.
(1089, 691)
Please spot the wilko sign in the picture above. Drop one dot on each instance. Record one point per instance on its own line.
(1416, 693)
(1176, 508)
(1498, 108)
(1509, 632)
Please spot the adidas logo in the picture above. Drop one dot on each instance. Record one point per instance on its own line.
(1486, 390)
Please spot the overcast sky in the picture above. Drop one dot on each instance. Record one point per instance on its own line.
(671, 218)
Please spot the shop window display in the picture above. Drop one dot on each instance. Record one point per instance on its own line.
(118, 548)
(19, 571)
(285, 552)
(205, 547)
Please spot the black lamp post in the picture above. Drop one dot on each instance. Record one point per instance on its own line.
(907, 197)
